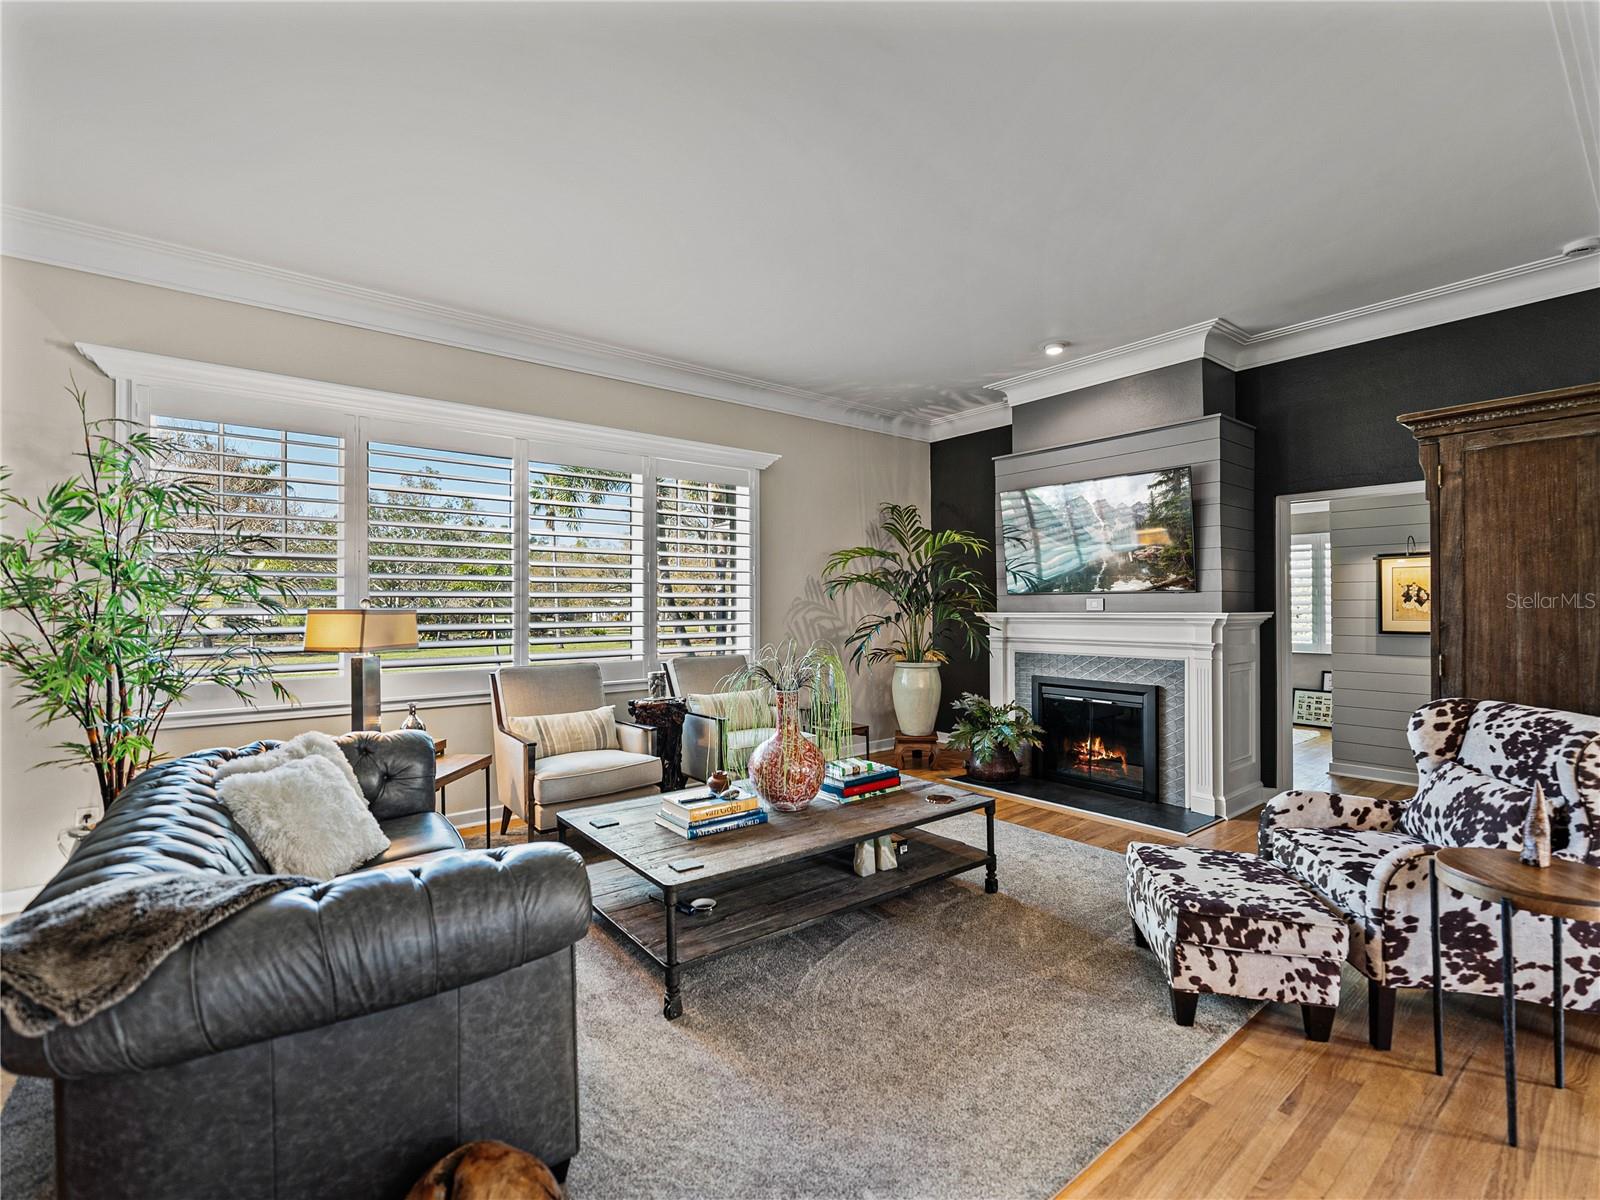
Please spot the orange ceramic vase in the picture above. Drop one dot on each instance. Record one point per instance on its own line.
(786, 769)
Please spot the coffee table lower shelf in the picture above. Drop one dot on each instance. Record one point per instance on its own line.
(761, 904)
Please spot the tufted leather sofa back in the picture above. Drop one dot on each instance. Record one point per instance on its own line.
(395, 770)
(170, 819)
(167, 819)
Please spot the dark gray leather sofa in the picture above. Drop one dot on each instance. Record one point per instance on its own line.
(330, 1041)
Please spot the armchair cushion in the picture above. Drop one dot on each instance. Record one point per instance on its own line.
(749, 709)
(568, 733)
(1348, 866)
(1458, 806)
(1523, 746)
(585, 774)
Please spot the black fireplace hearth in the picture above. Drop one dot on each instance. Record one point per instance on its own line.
(1098, 735)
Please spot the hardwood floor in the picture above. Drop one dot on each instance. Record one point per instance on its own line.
(1273, 1115)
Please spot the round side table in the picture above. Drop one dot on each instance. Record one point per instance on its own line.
(1563, 890)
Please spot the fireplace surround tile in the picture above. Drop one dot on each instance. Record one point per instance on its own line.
(1165, 674)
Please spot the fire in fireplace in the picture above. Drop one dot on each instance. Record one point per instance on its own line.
(1099, 735)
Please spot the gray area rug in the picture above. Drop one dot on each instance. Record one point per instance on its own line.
(942, 1044)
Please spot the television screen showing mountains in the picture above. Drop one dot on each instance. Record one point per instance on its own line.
(1128, 533)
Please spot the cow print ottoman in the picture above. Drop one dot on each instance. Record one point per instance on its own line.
(1234, 925)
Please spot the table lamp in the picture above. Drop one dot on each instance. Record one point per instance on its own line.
(360, 632)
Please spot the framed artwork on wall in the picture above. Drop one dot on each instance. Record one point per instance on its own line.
(1405, 593)
(1327, 681)
(1312, 707)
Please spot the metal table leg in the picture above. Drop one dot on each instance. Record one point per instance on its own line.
(1508, 1017)
(1560, 1030)
(991, 883)
(1438, 973)
(672, 1002)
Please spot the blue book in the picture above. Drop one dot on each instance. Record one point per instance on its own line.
(707, 828)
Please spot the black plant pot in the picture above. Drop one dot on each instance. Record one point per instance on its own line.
(1001, 767)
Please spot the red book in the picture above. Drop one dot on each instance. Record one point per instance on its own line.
(861, 789)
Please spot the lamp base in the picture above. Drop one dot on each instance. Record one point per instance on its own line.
(366, 693)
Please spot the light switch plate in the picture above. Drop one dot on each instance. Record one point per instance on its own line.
(1095, 604)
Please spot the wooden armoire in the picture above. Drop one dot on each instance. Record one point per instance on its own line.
(1514, 489)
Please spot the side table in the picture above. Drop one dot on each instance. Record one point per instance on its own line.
(1564, 889)
(665, 715)
(450, 768)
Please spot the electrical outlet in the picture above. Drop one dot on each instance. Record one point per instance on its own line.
(1095, 604)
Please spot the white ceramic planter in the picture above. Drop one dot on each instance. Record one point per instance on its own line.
(916, 697)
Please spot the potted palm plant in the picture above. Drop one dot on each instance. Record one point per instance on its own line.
(115, 579)
(934, 594)
(992, 736)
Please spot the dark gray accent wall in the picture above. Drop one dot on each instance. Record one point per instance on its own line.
(1328, 420)
(961, 490)
(1220, 453)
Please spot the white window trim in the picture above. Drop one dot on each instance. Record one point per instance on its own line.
(1321, 591)
(216, 392)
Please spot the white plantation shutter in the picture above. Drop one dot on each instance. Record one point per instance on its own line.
(440, 539)
(1310, 593)
(586, 563)
(704, 567)
(282, 489)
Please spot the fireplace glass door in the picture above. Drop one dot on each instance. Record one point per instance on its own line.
(1100, 737)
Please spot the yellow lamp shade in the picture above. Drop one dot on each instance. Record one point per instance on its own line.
(360, 630)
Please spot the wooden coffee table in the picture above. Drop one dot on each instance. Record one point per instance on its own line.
(766, 879)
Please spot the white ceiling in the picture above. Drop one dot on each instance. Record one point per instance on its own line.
(890, 205)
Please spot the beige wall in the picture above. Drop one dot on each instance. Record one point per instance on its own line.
(822, 494)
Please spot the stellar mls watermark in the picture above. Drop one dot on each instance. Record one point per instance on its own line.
(1575, 600)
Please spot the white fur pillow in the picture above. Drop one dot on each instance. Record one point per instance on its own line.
(305, 817)
(313, 743)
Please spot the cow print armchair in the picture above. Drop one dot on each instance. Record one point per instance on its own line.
(1477, 763)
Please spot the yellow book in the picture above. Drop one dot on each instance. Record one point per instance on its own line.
(694, 812)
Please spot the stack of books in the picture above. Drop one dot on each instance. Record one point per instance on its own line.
(702, 816)
(849, 779)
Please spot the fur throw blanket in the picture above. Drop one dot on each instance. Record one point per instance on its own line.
(75, 957)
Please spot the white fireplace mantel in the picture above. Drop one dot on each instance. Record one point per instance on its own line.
(1221, 656)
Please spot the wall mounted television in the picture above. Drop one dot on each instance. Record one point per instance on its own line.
(1125, 533)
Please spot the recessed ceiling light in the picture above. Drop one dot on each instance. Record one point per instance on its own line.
(1055, 349)
(1585, 245)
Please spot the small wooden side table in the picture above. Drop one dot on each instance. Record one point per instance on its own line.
(1563, 889)
(923, 749)
(451, 768)
(665, 715)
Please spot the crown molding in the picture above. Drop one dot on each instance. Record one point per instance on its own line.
(971, 420)
(60, 242)
(1216, 339)
(1546, 279)
(1221, 341)
(97, 250)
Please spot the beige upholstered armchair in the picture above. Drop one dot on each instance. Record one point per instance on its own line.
(715, 739)
(536, 782)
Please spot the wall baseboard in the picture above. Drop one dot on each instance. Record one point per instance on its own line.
(1376, 774)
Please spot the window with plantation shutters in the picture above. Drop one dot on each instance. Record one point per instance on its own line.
(586, 563)
(440, 538)
(703, 567)
(282, 491)
(1310, 593)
